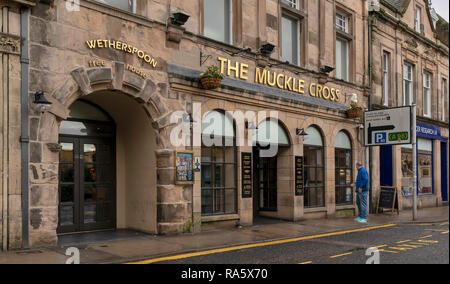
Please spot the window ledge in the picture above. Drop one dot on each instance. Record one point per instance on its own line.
(345, 35)
(229, 217)
(315, 210)
(343, 207)
(293, 11)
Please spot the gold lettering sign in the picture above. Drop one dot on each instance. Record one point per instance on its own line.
(279, 80)
(122, 46)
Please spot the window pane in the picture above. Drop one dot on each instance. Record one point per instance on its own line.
(207, 204)
(66, 172)
(341, 59)
(66, 154)
(217, 20)
(290, 40)
(67, 193)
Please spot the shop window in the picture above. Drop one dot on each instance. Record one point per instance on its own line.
(424, 168)
(218, 20)
(343, 169)
(127, 5)
(427, 94)
(219, 180)
(407, 84)
(314, 169)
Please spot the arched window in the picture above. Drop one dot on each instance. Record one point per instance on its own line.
(271, 132)
(314, 168)
(219, 171)
(343, 169)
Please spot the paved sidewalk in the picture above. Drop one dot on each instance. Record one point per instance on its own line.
(146, 246)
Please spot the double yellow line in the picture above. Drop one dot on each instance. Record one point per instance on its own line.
(270, 243)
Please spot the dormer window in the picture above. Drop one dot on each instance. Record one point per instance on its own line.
(417, 22)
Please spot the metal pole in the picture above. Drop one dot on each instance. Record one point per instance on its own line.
(414, 160)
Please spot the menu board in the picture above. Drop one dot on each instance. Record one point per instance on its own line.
(299, 179)
(246, 175)
(184, 167)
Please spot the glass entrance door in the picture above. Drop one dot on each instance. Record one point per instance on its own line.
(265, 183)
(87, 185)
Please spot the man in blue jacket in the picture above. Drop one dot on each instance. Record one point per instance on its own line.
(362, 192)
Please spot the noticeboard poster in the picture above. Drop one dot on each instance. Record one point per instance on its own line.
(184, 167)
(247, 179)
(299, 176)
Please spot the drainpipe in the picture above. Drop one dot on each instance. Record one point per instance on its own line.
(4, 119)
(369, 20)
(24, 137)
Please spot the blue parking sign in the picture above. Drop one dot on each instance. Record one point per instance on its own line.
(380, 138)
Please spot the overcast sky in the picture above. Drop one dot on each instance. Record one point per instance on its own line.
(441, 7)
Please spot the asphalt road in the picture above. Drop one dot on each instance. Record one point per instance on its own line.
(399, 244)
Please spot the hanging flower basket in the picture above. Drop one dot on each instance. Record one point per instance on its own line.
(210, 83)
(212, 78)
(354, 113)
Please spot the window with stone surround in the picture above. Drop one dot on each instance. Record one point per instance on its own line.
(417, 20)
(386, 77)
(126, 5)
(344, 44)
(444, 95)
(426, 94)
(407, 84)
(292, 35)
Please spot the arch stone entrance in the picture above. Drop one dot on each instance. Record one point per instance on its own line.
(174, 204)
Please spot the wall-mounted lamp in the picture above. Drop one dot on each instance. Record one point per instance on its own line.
(187, 117)
(41, 101)
(250, 126)
(179, 19)
(300, 132)
(326, 69)
(267, 48)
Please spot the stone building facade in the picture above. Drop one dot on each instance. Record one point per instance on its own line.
(410, 49)
(122, 78)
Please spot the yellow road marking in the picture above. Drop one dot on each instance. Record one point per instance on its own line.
(201, 253)
(383, 250)
(306, 262)
(403, 242)
(430, 241)
(402, 249)
(409, 245)
(435, 230)
(443, 224)
(443, 233)
(419, 243)
(382, 246)
(339, 255)
(426, 237)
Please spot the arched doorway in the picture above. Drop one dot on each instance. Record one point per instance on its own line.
(87, 181)
(271, 163)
